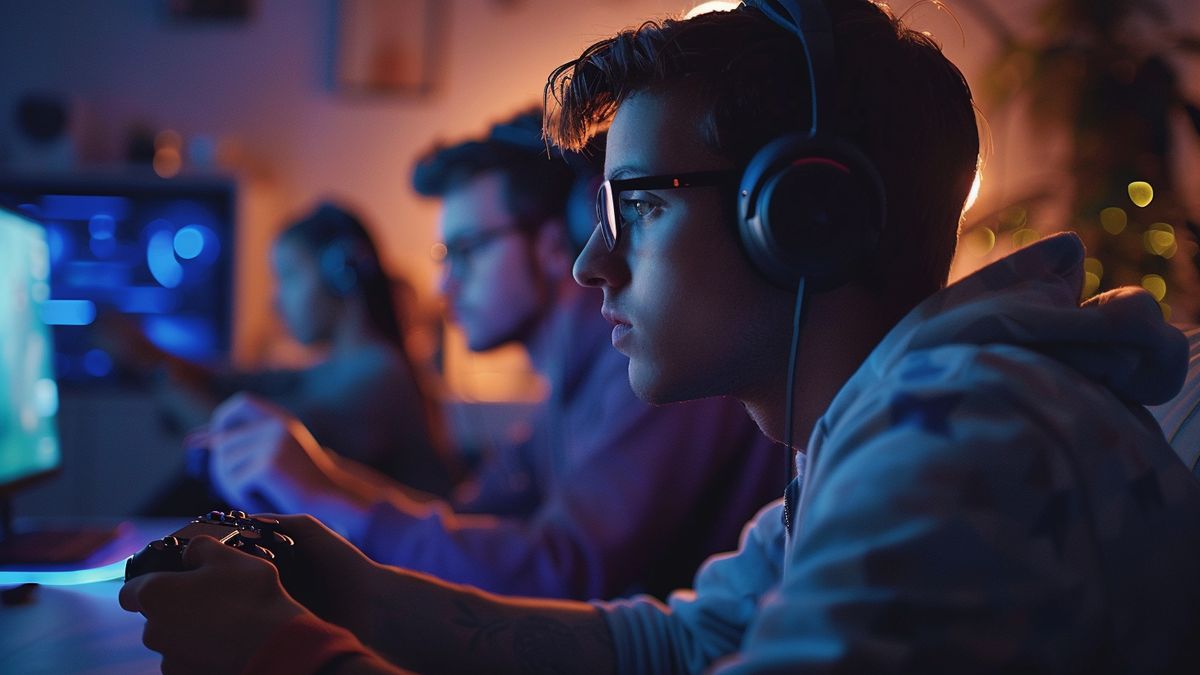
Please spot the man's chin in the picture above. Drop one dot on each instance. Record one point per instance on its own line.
(654, 388)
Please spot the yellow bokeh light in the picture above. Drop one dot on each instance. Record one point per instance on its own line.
(1166, 310)
(1025, 237)
(1156, 285)
(1141, 193)
(1094, 266)
(1113, 220)
(1160, 240)
(1091, 282)
(979, 242)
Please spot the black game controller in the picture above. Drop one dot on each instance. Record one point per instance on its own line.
(236, 529)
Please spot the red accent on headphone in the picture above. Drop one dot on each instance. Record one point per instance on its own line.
(822, 160)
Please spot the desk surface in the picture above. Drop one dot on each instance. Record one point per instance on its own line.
(81, 628)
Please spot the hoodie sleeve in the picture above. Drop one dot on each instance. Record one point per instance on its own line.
(698, 626)
(944, 528)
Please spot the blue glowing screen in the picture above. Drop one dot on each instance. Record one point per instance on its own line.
(28, 392)
(154, 250)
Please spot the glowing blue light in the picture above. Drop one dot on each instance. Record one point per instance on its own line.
(160, 258)
(97, 362)
(189, 242)
(147, 300)
(103, 248)
(180, 335)
(109, 572)
(67, 312)
(102, 226)
(57, 242)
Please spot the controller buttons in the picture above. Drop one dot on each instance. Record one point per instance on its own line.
(170, 541)
(240, 515)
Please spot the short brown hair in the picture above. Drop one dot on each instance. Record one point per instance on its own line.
(896, 97)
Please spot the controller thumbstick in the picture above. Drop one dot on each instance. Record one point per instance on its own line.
(215, 515)
(240, 515)
(170, 541)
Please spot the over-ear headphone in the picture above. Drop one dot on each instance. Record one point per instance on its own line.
(347, 260)
(810, 206)
(340, 268)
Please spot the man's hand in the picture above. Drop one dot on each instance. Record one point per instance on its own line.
(234, 593)
(333, 579)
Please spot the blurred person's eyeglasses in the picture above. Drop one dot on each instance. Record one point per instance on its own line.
(613, 211)
(457, 252)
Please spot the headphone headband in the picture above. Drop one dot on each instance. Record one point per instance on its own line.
(809, 22)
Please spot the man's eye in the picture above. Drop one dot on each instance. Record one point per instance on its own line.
(634, 209)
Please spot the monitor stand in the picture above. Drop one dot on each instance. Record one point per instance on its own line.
(48, 546)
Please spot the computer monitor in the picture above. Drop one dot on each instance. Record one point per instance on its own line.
(28, 393)
(29, 449)
(157, 251)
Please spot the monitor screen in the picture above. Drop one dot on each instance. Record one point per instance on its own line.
(28, 395)
(156, 251)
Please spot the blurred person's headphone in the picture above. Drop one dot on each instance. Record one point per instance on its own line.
(346, 261)
(810, 206)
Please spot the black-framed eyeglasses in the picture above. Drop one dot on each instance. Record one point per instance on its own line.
(457, 251)
(608, 206)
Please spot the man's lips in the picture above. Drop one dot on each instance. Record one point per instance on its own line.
(621, 325)
(614, 317)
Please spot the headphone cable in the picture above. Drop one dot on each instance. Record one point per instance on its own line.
(789, 397)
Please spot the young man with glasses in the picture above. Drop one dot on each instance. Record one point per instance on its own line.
(595, 501)
(982, 490)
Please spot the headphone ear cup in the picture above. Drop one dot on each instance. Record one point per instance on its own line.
(338, 269)
(811, 209)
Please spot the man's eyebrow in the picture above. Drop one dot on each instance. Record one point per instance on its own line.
(627, 170)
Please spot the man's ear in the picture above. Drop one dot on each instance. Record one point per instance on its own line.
(552, 249)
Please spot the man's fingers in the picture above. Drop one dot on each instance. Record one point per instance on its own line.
(129, 597)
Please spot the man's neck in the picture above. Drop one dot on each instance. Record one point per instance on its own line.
(833, 345)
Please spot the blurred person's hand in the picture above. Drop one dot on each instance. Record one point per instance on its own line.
(263, 458)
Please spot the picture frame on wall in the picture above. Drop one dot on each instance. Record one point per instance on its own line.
(386, 46)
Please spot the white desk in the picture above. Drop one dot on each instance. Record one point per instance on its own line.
(80, 628)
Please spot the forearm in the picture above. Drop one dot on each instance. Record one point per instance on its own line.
(428, 625)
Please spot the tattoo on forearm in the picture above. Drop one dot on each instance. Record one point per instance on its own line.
(540, 645)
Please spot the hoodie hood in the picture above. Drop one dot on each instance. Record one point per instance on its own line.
(1030, 299)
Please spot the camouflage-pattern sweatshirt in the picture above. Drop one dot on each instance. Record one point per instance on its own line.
(986, 494)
